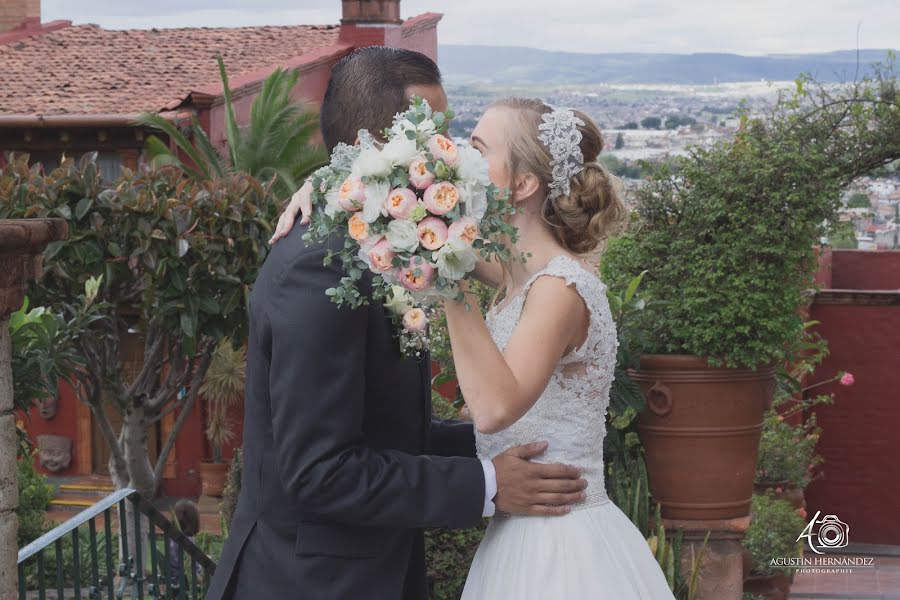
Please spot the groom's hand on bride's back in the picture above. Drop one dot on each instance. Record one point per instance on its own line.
(529, 488)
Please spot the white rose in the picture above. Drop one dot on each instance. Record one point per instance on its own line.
(403, 235)
(455, 259)
(401, 126)
(426, 129)
(332, 206)
(400, 302)
(401, 151)
(371, 162)
(472, 166)
(376, 193)
(474, 196)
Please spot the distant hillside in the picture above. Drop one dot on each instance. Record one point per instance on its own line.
(522, 66)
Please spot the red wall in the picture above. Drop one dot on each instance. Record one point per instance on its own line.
(866, 269)
(64, 423)
(861, 482)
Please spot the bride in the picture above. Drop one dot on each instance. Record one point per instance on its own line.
(540, 365)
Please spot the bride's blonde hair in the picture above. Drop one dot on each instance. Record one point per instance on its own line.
(593, 210)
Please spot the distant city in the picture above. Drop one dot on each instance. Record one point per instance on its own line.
(661, 118)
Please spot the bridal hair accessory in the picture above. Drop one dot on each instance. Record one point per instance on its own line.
(559, 133)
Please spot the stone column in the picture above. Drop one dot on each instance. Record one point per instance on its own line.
(22, 243)
(721, 575)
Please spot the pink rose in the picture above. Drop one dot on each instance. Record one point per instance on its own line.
(419, 175)
(400, 203)
(418, 275)
(443, 148)
(465, 229)
(432, 233)
(381, 256)
(352, 195)
(358, 228)
(847, 379)
(440, 198)
(414, 320)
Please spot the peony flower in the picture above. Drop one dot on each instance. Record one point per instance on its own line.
(847, 379)
(465, 229)
(440, 198)
(351, 195)
(401, 202)
(402, 236)
(358, 228)
(432, 233)
(418, 275)
(381, 256)
(400, 301)
(455, 259)
(443, 148)
(400, 151)
(414, 320)
(371, 162)
(376, 195)
(419, 175)
(802, 512)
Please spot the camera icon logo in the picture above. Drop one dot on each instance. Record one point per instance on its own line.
(827, 532)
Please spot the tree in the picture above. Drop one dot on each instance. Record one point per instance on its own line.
(276, 144)
(629, 125)
(620, 141)
(859, 200)
(173, 259)
(651, 123)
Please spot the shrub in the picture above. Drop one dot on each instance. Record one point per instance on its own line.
(728, 241)
(774, 526)
(35, 495)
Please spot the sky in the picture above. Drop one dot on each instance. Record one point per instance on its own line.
(751, 27)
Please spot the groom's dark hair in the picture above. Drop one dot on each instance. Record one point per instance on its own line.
(368, 87)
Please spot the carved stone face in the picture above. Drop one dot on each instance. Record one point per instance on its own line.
(54, 452)
(47, 407)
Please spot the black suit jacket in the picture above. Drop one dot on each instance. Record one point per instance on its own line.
(337, 485)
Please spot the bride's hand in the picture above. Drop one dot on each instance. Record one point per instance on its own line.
(301, 203)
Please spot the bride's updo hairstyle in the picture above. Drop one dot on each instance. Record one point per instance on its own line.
(593, 209)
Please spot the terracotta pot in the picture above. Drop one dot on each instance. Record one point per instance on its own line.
(213, 477)
(776, 586)
(701, 434)
(788, 492)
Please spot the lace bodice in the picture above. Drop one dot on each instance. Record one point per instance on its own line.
(571, 413)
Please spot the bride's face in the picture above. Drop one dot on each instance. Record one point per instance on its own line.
(489, 138)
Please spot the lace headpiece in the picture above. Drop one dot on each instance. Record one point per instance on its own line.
(559, 133)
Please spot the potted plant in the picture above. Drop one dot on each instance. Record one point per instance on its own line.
(727, 238)
(222, 387)
(773, 531)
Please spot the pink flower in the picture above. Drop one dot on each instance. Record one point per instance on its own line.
(432, 233)
(802, 512)
(440, 198)
(847, 379)
(358, 228)
(443, 148)
(351, 195)
(400, 203)
(381, 256)
(465, 229)
(419, 175)
(414, 320)
(418, 275)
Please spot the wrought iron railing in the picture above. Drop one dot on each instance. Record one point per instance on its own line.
(114, 565)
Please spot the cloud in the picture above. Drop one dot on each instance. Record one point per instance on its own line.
(759, 27)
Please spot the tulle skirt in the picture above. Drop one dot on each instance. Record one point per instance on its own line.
(593, 553)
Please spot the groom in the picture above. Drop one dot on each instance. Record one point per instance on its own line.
(343, 463)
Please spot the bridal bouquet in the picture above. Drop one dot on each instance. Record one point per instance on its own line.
(416, 211)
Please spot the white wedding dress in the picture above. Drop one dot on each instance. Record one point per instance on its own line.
(595, 552)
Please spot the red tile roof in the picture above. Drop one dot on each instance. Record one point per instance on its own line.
(87, 70)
